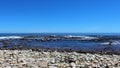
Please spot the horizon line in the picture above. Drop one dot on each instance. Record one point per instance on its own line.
(60, 32)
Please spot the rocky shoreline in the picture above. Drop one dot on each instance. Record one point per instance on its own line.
(55, 59)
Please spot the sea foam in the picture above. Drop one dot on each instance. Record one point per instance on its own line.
(11, 37)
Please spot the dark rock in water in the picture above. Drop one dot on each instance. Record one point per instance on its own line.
(4, 46)
(110, 43)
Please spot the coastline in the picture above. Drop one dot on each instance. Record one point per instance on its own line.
(55, 59)
(80, 43)
(54, 51)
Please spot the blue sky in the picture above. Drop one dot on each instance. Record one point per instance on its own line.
(59, 16)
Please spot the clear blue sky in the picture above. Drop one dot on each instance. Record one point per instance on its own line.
(59, 16)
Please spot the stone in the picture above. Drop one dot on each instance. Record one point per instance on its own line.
(73, 65)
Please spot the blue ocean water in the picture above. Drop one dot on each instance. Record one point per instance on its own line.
(43, 34)
(68, 44)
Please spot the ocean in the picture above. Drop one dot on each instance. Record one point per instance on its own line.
(85, 42)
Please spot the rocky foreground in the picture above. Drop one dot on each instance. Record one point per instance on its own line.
(35, 59)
